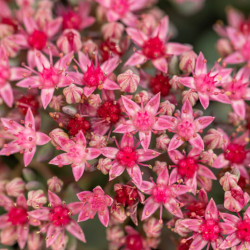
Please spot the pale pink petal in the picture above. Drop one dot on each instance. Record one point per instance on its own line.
(204, 171)
(40, 214)
(174, 176)
(75, 207)
(175, 143)
(17, 73)
(53, 26)
(21, 201)
(203, 196)
(130, 19)
(87, 91)
(78, 171)
(149, 208)
(162, 124)
(173, 207)
(22, 235)
(220, 162)
(188, 82)
(84, 215)
(145, 138)
(28, 155)
(116, 170)
(61, 160)
(223, 98)
(46, 96)
(239, 108)
(12, 126)
(29, 23)
(135, 174)
(109, 66)
(4, 221)
(52, 234)
(161, 64)
(112, 16)
(110, 85)
(84, 61)
(177, 48)
(203, 122)
(153, 104)
(41, 61)
(127, 141)
(147, 187)
(80, 138)
(191, 224)
(54, 200)
(234, 58)
(136, 59)
(187, 111)
(201, 65)
(146, 154)
(197, 142)
(131, 107)
(64, 62)
(29, 82)
(175, 156)
(198, 243)
(76, 230)
(163, 177)
(7, 94)
(93, 153)
(84, 195)
(204, 99)
(104, 216)
(109, 152)
(125, 127)
(137, 36)
(227, 228)
(29, 120)
(11, 148)
(211, 211)
(42, 138)
(162, 29)
(230, 241)
(237, 38)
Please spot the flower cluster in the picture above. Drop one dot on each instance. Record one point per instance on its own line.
(98, 88)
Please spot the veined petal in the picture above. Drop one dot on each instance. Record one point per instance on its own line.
(201, 65)
(146, 154)
(230, 241)
(7, 94)
(162, 29)
(53, 26)
(173, 207)
(110, 65)
(153, 104)
(162, 124)
(29, 120)
(135, 174)
(110, 85)
(204, 171)
(145, 138)
(125, 127)
(109, 152)
(175, 156)
(149, 208)
(76, 230)
(136, 59)
(204, 99)
(84, 61)
(29, 82)
(127, 140)
(40, 214)
(78, 171)
(187, 111)
(22, 235)
(161, 64)
(52, 234)
(188, 82)
(163, 177)
(104, 216)
(75, 207)
(197, 141)
(191, 224)
(198, 243)
(93, 153)
(203, 122)
(11, 148)
(87, 91)
(4, 221)
(211, 211)
(175, 142)
(137, 36)
(61, 160)
(239, 108)
(234, 58)
(54, 200)
(46, 96)
(116, 170)
(131, 107)
(177, 48)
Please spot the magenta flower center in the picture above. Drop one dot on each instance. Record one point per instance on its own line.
(71, 20)
(78, 124)
(126, 196)
(94, 76)
(243, 231)
(161, 193)
(246, 51)
(4, 75)
(187, 167)
(37, 39)
(134, 242)
(235, 153)
(143, 121)
(196, 208)
(154, 48)
(109, 111)
(127, 157)
(210, 230)
(59, 216)
(186, 129)
(50, 77)
(120, 6)
(28, 101)
(18, 216)
(205, 83)
(160, 83)
(26, 138)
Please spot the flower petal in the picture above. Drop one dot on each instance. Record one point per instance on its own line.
(22, 235)
(104, 216)
(161, 64)
(135, 174)
(54, 200)
(76, 230)
(136, 59)
(78, 171)
(149, 208)
(201, 65)
(145, 138)
(137, 36)
(116, 170)
(153, 104)
(211, 211)
(28, 155)
(146, 154)
(175, 142)
(131, 107)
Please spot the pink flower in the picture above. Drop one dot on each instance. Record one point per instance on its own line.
(95, 202)
(208, 230)
(238, 90)
(48, 76)
(186, 128)
(25, 137)
(142, 119)
(122, 10)
(77, 154)
(239, 233)
(154, 47)
(162, 193)
(57, 218)
(126, 156)
(187, 167)
(206, 83)
(95, 76)
(17, 218)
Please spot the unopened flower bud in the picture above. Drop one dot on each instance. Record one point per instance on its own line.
(112, 30)
(175, 82)
(187, 62)
(152, 228)
(36, 198)
(229, 181)
(98, 141)
(162, 142)
(128, 81)
(208, 157)
(166, 108)
(104, 165)
(224, 47)
(73, 94)
(159, 166)
(214, 138)
(142, 96)
(15, 187)
(190, 95)
(55, 184)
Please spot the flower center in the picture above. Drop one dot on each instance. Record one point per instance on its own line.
(134, 242)
(77, 153)
(4, 75)
(26, 138)
(28, 101)
(59, 216)
(186, 129)
(154, 48)
(109, 47)
(205, 83)
(78, 124)
(37, 39)
(126, 196)
(109, 111)
(187, 167)
(160, 83)
(237, 90)
(71, 20)
(93, 76)
(161, 194)
(196, 208)
(18, 216)
(210, 230)
(235, 153)
(246, 51)
(243, 231)
(120, 6)
(98, 202)
(143, 121)
(127, 157)
(50, 77)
